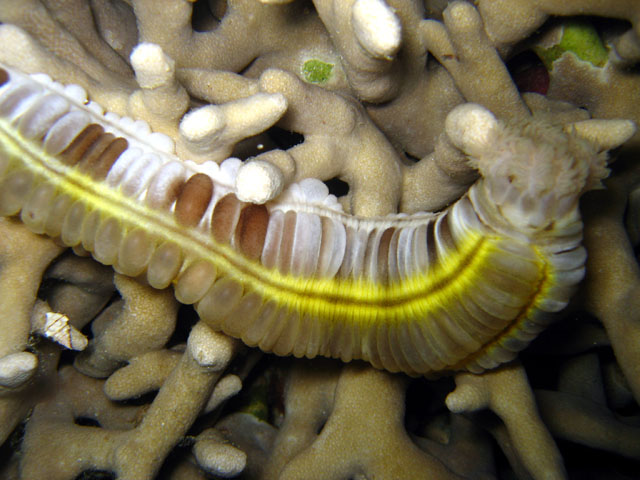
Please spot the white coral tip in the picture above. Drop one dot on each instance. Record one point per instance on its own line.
(470, 127)
(220, 459)
(258, 182)
(208, 348)
(202, 125)
(153, 68)
(17, 368)
(377, 27)
(227, 387)
(465, 398)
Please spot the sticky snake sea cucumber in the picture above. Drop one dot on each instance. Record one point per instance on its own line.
(466, 288)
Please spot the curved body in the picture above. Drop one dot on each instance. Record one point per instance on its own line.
(420, 293)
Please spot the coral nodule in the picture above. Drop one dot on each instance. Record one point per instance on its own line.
(188, 154)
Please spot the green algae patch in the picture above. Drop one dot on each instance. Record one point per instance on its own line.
(581, 39)
(317, 71)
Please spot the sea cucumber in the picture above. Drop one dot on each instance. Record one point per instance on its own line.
(461, 289)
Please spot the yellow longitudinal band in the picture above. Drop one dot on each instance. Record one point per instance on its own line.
(357, 300)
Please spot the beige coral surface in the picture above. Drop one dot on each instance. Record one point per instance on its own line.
(359, 94)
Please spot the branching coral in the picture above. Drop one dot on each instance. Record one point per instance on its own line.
(506, 392)
(413, 105)
(21, 280)
(528, 16)
(133, 453)
(370, 441)
(615, 273)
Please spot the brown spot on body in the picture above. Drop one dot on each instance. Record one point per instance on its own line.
(77, 150)
(371, 256)
(225, 217)
(103, 162)
(383, 255)
(327, 250)
(252, 230)
(432, 252)
(394, 269)
(286, 242)
(346, 267)
(161, 194)
(4, 76)
(194, 199)
(89, 160)
(444, 233)
(172, 193)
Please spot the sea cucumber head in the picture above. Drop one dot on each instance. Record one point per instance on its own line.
(533, 172)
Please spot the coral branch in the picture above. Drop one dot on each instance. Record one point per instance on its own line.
(129, 452)
(386, 449)
(349, 146)
(142, 321)
(20, 281)
(506, 392)
(613, 276)
(367, 34)
(462, 47)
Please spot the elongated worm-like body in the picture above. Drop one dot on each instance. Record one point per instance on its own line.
(465, 288)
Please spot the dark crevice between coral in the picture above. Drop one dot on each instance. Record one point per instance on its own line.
(96, 475)
(262, 393)
(244, 70)
(86, 422)
(285, 139)
(48, 283)
(424, 402)
(274, 138)
(587, 463)
(411, 159)
(13, 442)
(529, 73)
(187, 317)
(207, 14)
(140, 401)
(176, 459)
(67, 357)
(337, 187)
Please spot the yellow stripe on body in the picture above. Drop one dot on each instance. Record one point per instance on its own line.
(332, 300)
